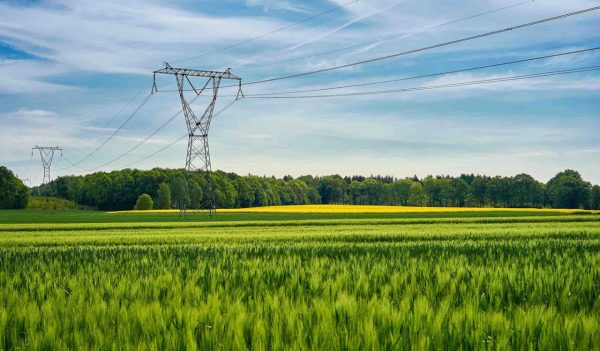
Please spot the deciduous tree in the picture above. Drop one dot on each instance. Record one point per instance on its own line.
(144, 203)
(163, 196)
(13, 193)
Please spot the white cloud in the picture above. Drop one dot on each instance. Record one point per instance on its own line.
(25, 76)
(120, 37)
(34, 116)
(278, 5)
(359, 18)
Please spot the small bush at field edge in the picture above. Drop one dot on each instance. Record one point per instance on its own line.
(52, 203)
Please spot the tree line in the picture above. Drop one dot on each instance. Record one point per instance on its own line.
(119, 190)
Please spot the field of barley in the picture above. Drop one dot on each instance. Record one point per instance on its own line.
(284, 283)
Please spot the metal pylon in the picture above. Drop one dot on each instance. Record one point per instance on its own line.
(198, 151)
(47, 155)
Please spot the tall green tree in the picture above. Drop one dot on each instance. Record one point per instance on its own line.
(433, 188)
(460, 191)
(179, 193)
(595, 198)
(401, 191)
(527, 192)
(418, 195)
(245, 192)
(568, 190)
(13, 193)
(163, 196)
(332, 189)
(479, 187)
(196, 194)
(373, 191)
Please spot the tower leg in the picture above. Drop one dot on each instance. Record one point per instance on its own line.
(198, 160)
(46, 175)
(211, 201)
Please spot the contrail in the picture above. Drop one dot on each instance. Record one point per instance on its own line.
(333, 31)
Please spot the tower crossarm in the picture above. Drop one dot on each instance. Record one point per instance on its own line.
(196, 73)
(46, 148)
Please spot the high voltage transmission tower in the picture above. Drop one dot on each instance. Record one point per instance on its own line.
(198, 155)
(47, 155)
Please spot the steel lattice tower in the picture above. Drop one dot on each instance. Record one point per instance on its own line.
(47, 155)
(198, 152)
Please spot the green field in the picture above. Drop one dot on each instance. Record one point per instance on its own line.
(75, 216)
(280, 281)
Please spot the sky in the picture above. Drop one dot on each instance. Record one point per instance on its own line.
(73, 71)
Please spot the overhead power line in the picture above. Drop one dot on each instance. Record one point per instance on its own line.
(164, 148)
(162, 126)
(306, 19)
(386, 57)
(431, 87)
(70, 165)
(129, 118)
(395, 36)
(124, 106)
(430, 74)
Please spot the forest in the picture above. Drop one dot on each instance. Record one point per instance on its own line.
(118, 190)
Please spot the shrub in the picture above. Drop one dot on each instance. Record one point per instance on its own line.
(51, 203)
(144, 202)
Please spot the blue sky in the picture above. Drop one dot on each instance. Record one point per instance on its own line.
(69, 68)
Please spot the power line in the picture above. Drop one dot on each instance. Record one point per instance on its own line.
(124, 106)
(129, 118)
(70, 167)
(431, 87)
(146, 139)
(395, 36)
(429, 75)
(424, 75)
(183, 137)
(269, 33)
(380, 58)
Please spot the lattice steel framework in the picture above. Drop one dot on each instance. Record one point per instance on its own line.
(47, 155)
(198, 152)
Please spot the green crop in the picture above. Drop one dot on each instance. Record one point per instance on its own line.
(337, 284)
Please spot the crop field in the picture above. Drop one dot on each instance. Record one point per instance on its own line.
(295, 282)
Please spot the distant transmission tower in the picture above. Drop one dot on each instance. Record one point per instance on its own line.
(47, 155)
(198, 155)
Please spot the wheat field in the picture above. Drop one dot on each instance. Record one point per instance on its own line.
(431, 283)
